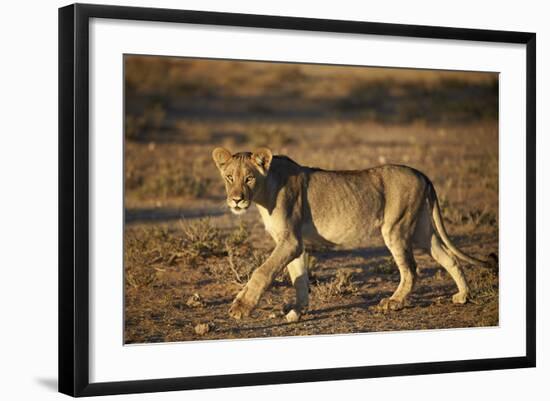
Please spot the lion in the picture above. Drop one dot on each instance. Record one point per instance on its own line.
(311, 205)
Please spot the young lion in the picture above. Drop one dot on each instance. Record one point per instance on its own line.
(300, 204)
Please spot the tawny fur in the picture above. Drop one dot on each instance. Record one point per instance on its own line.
(302, 204)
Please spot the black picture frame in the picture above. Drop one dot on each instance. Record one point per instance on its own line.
(74, 198)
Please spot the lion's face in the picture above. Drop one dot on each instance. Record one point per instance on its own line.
(243, 174)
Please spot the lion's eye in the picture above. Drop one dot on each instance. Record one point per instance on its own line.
(229, 178)
(249, 179)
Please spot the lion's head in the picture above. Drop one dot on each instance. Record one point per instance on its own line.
(244, 175)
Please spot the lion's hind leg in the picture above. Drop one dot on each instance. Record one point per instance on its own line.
(449, 262)
(427, 239)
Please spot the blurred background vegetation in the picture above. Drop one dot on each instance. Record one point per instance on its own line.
(163, 94)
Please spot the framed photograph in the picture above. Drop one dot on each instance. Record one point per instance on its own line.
(251, 199)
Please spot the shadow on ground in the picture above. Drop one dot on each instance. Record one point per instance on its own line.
(49, 383)
(144, 215)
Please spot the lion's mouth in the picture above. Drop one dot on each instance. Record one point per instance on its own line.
(238, 210)
(238, 207)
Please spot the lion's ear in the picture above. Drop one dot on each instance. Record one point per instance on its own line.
(221, 156)
(262, 159)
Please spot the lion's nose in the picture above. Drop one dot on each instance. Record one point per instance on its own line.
(237, 198)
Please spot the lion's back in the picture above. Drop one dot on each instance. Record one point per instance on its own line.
(345, 207)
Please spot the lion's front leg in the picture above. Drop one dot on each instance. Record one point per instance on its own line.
(246, 300)
(297, 270)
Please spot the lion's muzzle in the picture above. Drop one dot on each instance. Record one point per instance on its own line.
(238, 205)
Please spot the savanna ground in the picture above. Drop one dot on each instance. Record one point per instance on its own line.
(186, 256)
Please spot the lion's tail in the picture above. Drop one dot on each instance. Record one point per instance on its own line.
(490, 262)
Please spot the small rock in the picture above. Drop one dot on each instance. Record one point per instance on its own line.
(202, 328)
(195, 301)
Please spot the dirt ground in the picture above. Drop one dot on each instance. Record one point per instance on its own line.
(186, 256)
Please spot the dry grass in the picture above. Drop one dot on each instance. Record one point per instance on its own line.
(339, 286)
(166, 180)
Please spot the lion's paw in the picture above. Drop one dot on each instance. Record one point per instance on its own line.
(239, 310)
(460, 298)
(242, 306)
(388, 304)
(293, 316)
